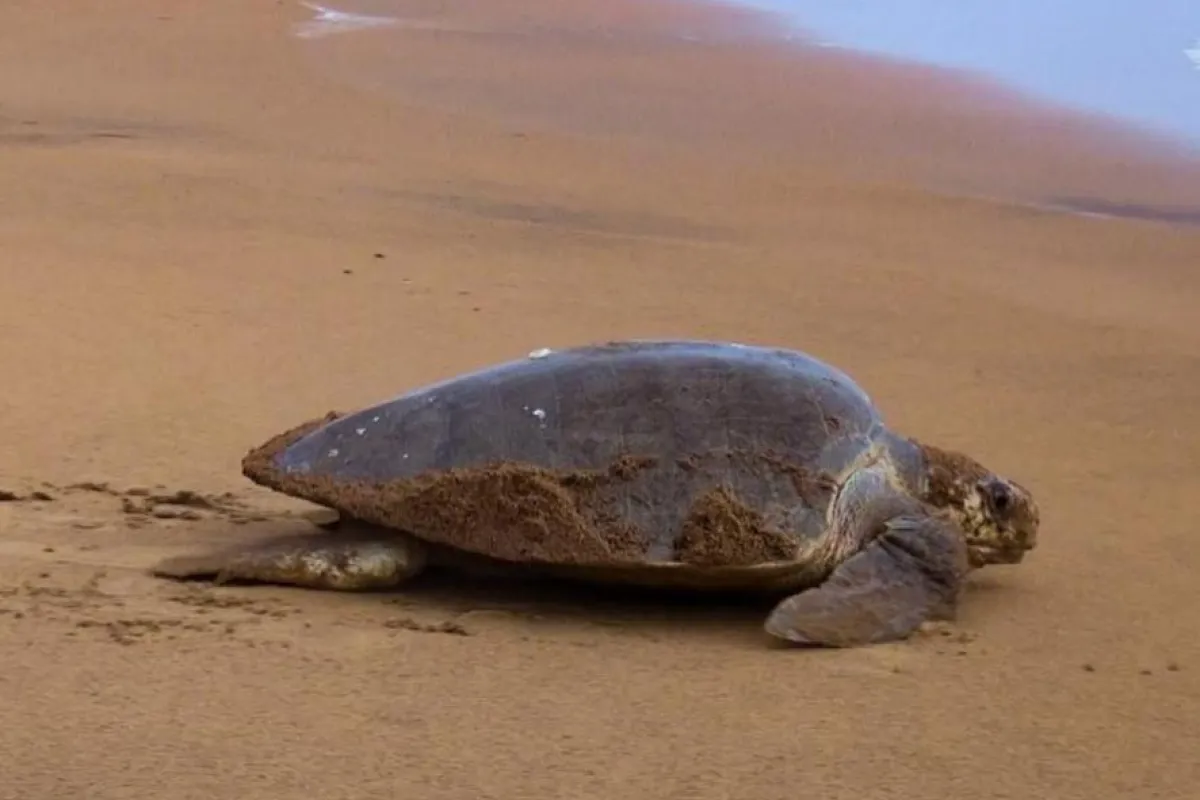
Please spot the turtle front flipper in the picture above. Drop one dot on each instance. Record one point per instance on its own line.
(910, 573)
(334, 560)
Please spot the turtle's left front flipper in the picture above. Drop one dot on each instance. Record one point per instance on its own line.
(912, 572)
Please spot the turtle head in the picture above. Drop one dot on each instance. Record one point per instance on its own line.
(999, 517)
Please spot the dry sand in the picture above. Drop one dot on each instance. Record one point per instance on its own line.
(210, 235)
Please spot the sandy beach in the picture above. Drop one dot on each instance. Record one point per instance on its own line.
(214, 230)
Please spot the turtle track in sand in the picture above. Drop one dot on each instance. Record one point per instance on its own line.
(73, 559)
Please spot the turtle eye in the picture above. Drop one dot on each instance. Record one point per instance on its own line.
(998, 495)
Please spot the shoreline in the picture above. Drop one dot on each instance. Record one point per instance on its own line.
(1044, 69)
(950, 130)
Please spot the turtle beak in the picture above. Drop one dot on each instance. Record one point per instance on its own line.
(983, 556)
(1026, 519)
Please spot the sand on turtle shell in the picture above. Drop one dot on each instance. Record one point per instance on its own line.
(511, 512)
(520, 513)
(721, 531)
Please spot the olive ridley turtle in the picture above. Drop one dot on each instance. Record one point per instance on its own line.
(692, 464)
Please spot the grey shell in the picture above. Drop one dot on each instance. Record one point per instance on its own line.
(708, 414)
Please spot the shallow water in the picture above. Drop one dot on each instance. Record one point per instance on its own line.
(1136, 60)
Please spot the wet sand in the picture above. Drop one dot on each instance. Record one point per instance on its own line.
(214, 231)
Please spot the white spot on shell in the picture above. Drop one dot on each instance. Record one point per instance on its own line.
(333, 453)
(541, 353)
(360, 431)
(374, 419)
(539, 413)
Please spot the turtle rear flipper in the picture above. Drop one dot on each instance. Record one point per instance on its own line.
(911, 573)
(334, 561)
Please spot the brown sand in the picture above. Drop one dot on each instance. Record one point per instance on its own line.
(721, 530)
(207, 235)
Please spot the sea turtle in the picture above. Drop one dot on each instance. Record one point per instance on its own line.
(705, 465)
